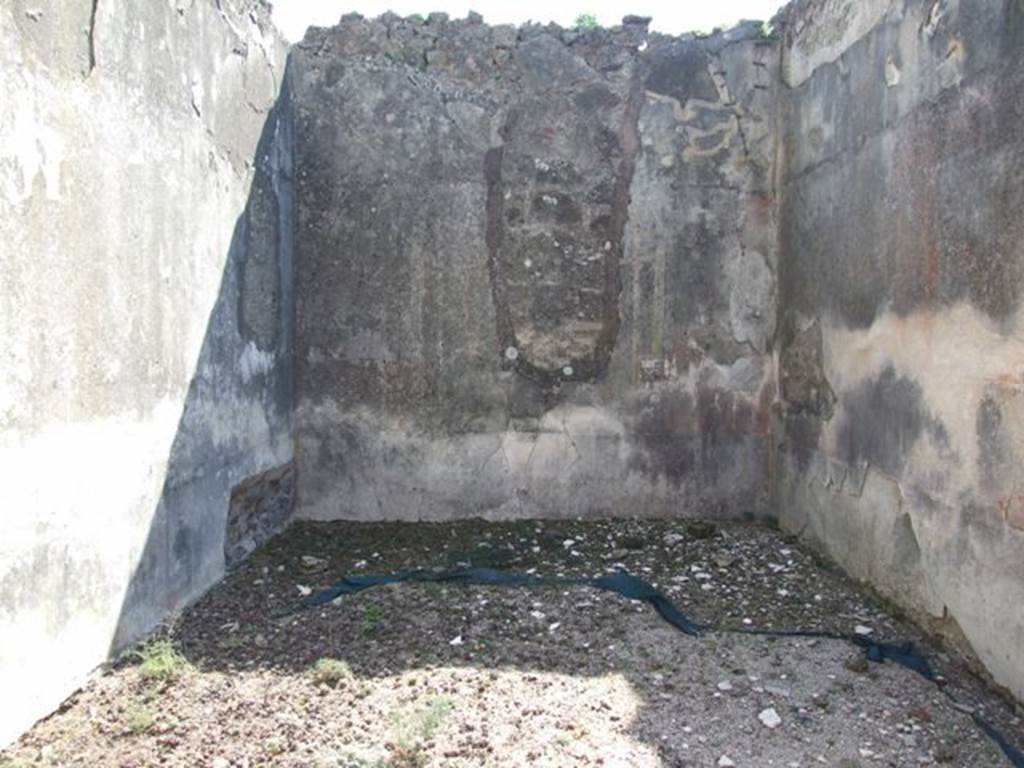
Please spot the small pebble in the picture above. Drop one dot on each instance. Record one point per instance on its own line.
(770, 718)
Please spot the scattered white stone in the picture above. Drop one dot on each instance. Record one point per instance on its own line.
(304, 590)
(360, 564)
(457, 640)
(538, 615)
(725, 762)
(554, 626)
(511, 354)
(770, 718)
(863, 631)
(568, 543)
(567, 370)
(725, 686)
(220, 762)
(671, 539)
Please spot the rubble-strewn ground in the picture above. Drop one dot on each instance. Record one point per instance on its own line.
(426, 675)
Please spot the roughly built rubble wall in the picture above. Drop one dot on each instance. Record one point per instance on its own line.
(145, 356)
(901, 430)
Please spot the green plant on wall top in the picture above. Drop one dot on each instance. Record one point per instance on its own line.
(586, 21)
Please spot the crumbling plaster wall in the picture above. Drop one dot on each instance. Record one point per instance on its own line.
(144, 301)
(901, 421)
(535, 270)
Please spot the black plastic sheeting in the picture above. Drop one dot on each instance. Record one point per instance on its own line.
(634, 588)
(620, 582)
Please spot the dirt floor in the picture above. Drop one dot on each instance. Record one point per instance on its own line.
(429, 675)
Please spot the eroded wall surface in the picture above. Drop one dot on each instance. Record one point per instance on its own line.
(144, 301)
(535, 270)
(901, 355)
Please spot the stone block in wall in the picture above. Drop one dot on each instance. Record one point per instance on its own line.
(260, 508)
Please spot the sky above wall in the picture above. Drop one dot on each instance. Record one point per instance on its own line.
(672, 16)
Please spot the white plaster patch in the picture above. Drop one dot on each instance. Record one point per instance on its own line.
(254, 362)
(29, 149)
(15, 380)
(892, 73)
(826, 30)
(752, 300)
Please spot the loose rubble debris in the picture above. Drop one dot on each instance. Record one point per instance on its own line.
(440, 675)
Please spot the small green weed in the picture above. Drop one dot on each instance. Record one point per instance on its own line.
(139, 718)
(586, 21)
(331, 672)
(160, 661)
(274, 746)
(413, 728)
(372, 616)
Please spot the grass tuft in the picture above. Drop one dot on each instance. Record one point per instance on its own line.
(586, 21)
(420, 725)
(331, 672)
(160, 661)
(139, 718)
(372, 616)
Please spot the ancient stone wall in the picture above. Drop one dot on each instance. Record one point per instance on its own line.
(145, 304)
(535, 270)
(902, 255)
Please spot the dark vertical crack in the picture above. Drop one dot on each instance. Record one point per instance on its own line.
(495, 235)
(92, 36)
(630, 137)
